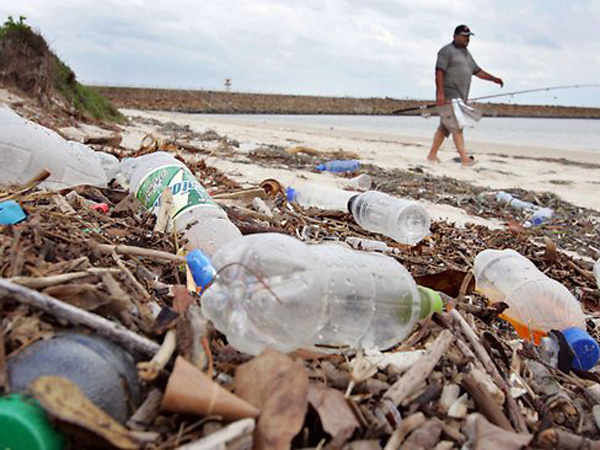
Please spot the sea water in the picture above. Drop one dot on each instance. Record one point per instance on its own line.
(560, 134)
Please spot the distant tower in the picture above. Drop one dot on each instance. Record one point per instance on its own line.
(227, 84)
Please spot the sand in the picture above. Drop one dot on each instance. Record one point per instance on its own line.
(497, 167)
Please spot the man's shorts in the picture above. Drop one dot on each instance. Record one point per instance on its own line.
(448, 122)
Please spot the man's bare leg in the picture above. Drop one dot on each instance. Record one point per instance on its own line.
(438, 139)
(459, 143)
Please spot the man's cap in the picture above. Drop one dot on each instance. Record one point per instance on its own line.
(463, 30)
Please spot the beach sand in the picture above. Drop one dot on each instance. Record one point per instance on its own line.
(498, 167)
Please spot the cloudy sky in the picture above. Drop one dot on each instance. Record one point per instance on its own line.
(325, 47)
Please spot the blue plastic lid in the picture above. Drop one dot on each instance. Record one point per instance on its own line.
(290, 194)
(11, 213)
(585, 348)
(201, 268)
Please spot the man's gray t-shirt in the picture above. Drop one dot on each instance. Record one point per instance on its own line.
(458, 66)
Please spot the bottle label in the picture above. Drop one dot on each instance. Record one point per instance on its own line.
(187, 191)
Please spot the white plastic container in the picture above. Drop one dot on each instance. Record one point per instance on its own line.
(203, 223)
(27, 148)
(361, 183)
(280, 293)
(404, 221)
(537, 303)
(318, 196)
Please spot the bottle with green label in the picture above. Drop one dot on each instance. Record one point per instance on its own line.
(203, 223)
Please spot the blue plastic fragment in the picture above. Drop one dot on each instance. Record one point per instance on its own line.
(11, 213)
(202, 269)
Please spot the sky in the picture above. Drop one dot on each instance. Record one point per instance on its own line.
(369, 48)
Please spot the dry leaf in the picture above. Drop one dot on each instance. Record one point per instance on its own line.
(84, 296)
(448, 282)
(62, 399)
(336, 416)
(486, 435)
(278, 386)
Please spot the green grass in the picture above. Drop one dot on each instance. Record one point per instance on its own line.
(84, 99)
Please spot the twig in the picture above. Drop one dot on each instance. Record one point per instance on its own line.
(3, 369)
(409, 424)
(557, 438)
(137, 251)
(77, 316)
(515, 414)
(129, 275)
(403, 387)
(149, 370)
(52, 280)
(487, 405)
(43, 175)
(147, 412)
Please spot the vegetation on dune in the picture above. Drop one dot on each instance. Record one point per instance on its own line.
(31, 67)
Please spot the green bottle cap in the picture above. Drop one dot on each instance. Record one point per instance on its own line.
(431, 302)
(24, 424)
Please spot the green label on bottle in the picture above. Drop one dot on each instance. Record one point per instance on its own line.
(187, 191)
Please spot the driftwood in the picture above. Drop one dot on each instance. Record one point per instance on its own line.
(137, 251)
(557, 438)
(77, 316)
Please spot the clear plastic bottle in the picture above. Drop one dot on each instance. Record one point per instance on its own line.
(203, 223)
(505, 197)
(317, 196)
(362, 182)
(537, 303)
(273, 290)
(542, 215)
(404, 221)
(27, 148)
(339, 165)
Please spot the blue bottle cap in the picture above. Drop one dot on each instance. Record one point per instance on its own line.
(585, 348)
(201, 268)
(290, 194)
(11, 213)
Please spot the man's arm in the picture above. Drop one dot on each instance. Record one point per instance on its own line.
(486, 76)
(440, 97)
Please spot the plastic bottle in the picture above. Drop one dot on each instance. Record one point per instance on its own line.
(203, 223)
(369, 245)
(537, 303)
(276, 291)
(103, 371)
(27, 148)
(505, 197)
(404, 221)
(362, 182)
(339, 165)
(542, 215)
(317, 196)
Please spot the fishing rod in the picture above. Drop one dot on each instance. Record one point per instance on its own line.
(552, 88)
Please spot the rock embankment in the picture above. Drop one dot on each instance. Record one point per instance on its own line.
(221, 102)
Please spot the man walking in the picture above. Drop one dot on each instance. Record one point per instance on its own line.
(453, 71)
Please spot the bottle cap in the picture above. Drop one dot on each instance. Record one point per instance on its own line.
(433, 299)
(584, 346)
(24, 424)
(290, 194)
(201, 268)
(11, 213)
(351, 201)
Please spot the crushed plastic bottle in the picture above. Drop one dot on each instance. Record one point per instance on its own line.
(339, 165)
(317, 196)
(276, 291)
(103, 371)
(27, 148)
(203, 223)
(537, 303)
(505, 197)
(404, 221)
